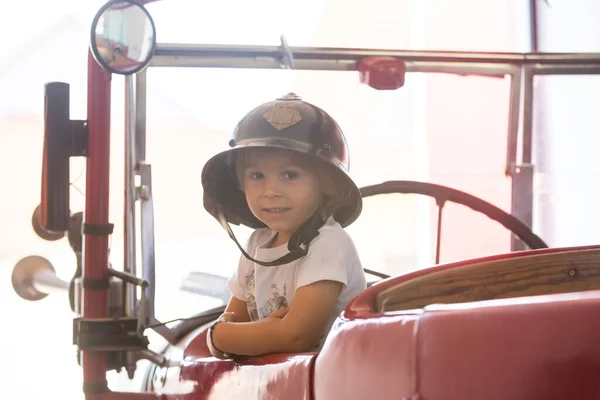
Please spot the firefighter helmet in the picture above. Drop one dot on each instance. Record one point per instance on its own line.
(291, 124)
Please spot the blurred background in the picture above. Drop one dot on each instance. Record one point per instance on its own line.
(442, 129)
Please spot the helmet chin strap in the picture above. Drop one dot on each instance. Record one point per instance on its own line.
(294, 243)
(303, 236)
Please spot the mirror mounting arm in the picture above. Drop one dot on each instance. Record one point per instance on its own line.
(287, 57)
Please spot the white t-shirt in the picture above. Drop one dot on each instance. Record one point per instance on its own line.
(331, 256)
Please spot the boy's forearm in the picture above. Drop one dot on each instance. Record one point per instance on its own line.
(255, 338)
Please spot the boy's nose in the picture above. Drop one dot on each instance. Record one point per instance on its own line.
(271, 188)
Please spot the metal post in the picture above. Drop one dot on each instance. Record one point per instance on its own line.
(140, 114)
(514, 108)
(129, 262)
(522, 173)
(95, 250)
(148, 258)
(145, 196)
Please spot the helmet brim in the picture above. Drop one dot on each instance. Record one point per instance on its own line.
(222, 192)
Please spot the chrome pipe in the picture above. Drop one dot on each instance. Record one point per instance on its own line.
(34, 278)
(145, 196)
(182, 50)
(129, 237)
(514, 108)
(48, 282)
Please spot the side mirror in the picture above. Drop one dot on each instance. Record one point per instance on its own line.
(123, 37)
(63, 139)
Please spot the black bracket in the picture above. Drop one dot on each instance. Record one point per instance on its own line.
(108, 334)
(79, 138)
(98, 229)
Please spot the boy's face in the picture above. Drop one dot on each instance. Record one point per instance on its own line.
(282, 190)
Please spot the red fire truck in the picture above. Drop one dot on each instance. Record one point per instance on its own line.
(521, 325)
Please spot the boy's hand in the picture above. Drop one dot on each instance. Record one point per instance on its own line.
(229, 317)
(279, 314)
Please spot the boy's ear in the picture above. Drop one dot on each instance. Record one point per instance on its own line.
(328, 186)
(239, 180)
(235, 175)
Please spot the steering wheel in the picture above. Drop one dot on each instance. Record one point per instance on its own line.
(442, 194)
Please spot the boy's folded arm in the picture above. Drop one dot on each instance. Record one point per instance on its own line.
(236, 310)
(298, 331)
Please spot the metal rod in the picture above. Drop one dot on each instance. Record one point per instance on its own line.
(522, 173)
(176, 50)
(131, 279)
(340, 59)
(438, 244)
(48, 282)
(95, 251)
(129, 254)
(575, 69)
(151, 356)
(478, 69)
(527, 115)
(514, 108)
(140, 120)
(147, 232)
(533, 25)
(145, 196)
(458, 68)
(250, 63)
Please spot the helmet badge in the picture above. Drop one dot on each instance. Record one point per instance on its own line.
(282, 116)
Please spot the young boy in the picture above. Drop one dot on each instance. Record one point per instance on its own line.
(286, 177)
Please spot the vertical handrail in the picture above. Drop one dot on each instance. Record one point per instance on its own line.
(95, 251)
(129, 237)
(144, 170)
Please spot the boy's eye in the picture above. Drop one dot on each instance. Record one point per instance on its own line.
(290, 175)
(256, 176)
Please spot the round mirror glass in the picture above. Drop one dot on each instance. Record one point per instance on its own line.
(123, 37)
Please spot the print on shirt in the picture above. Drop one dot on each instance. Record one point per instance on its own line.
(250, 297)
(276, 302)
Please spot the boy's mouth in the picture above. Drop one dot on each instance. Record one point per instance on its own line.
(276, 210)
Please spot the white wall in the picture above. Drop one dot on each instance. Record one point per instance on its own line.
(567, 130)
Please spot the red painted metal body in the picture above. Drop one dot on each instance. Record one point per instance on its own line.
(540, 347)
(194, 374)
(95, 265)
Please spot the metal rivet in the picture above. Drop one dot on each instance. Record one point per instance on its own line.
(232, 143)
(144, 192)
(290, 96)
(572, 272)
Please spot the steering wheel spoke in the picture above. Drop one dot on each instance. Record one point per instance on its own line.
(438, 239)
